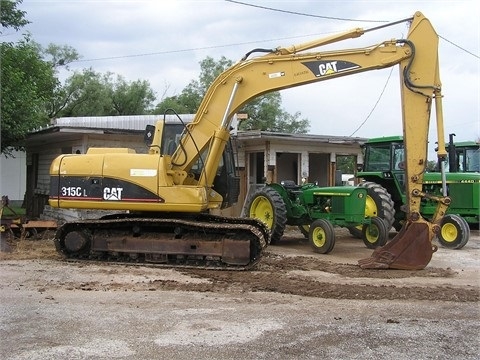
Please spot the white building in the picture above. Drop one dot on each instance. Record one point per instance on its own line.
(13, 176)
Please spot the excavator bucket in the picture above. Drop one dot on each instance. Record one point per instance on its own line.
(410, 249)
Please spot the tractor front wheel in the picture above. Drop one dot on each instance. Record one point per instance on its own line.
(454, 232)
(321, 236)
(374, 234)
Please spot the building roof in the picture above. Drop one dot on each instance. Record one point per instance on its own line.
(131, 124)
(253, 135)
(68, 128)
(128, 122)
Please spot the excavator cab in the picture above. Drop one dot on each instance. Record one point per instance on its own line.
(227, 180)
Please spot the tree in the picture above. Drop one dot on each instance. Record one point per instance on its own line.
(188, 101)
(209, 71)
(83, 94)
(346, 163)
(264, 112)
(431, 166)
(28, 82)
(10, 16)
(134, 98)
(291, 123)
(59, 55)
(32, 93)
(88, 93)
(171, 103)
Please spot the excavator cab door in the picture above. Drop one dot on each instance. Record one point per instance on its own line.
(227, 180)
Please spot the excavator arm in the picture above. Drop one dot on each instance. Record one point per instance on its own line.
(282, 68)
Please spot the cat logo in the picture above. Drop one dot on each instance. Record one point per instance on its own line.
(327, 68)
(113, 194)
(323, 68)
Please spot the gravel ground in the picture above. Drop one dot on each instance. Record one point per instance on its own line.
(293, 305)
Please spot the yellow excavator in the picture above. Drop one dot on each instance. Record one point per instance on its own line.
(169, 193)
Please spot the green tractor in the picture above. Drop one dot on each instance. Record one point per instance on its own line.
(384, 178)
(315, 211)
(463, 157)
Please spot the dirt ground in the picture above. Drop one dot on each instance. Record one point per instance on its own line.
(293, 304)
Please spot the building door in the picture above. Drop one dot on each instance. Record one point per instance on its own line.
(256, 166)
(288, 167)
(318, 168)
(32, 178)
(255, 174)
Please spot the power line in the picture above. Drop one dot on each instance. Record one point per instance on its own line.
(251, 42)
(461, 48)
(301, 14)
(190, 49)
(374, 106)
(346, 19)
(386, 83)
(336, 18)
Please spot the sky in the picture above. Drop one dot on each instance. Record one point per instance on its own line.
(164, 42)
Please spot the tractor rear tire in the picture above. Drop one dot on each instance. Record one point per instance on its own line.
(379, 203)
(267, 205)
(321, 236)
(454, 232)
(375, 234)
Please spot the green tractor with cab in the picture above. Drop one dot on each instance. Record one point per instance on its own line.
(315, 211)
(384, 178)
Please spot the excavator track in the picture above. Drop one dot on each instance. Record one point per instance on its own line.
(193, 241)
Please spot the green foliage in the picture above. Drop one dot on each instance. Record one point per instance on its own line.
(130, 98)
(264, 112)
(291, 123)
(88, 93)
(190, 98)
(27, 84)
(188, 101)
(431, 166)
(10, 16)
(83, 94)
(171, 103)
(210, 70)
(346, 163)
(60, 55)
